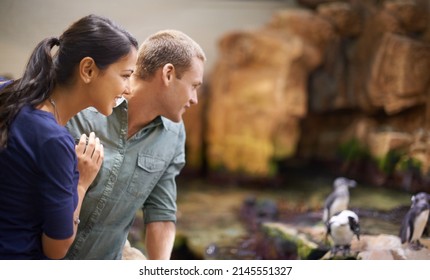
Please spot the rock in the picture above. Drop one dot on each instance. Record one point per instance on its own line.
(315, 31)
(249, 83)
(381, 143)
(419, 150)
(131, 253)
(361, 54)
(376, 255)
(388, 247)
(315, 3)
(376, 243)
(410, 14)
(285, 236)
(309, 243)
(399, 78)
(343, 16)
(296, 87)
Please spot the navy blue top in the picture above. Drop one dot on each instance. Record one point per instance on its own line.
(38, 184)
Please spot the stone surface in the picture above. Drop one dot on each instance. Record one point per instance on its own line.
(399, 75)
(250, 104)
(330, 84)
(343, 16)
(378, 247)
(132, 253)
(411, 15)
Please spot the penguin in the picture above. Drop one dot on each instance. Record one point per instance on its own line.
(419, 196)
(338, 200)
(415, 221)
(341, 228)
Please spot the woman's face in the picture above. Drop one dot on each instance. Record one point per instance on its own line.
(112, 83)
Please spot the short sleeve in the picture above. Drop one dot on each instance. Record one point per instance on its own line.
(161, 203)
(58, 163)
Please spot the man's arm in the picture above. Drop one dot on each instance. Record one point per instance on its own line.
(159, 240)
(160, 207)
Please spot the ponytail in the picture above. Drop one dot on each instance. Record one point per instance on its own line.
(33, 88)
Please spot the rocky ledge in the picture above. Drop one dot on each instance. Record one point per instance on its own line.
(309, 242)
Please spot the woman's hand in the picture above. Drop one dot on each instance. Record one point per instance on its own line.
(90, 158)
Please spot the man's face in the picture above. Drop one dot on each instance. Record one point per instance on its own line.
(183, 92)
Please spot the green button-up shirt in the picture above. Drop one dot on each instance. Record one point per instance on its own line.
(136, 173)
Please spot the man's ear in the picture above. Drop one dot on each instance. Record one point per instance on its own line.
(168, 73)
(87, 69)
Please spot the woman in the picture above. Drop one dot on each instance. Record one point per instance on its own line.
(43, 175)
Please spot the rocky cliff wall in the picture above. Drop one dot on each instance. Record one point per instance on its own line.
(343, 81)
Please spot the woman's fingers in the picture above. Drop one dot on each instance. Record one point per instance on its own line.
(98, 151)
(89, 146)
(81, 144)
(90, 158)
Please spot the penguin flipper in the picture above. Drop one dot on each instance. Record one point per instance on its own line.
(407, 227)
(327, 205)
(354, 226)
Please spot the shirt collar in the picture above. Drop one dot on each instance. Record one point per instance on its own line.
(167, 124)
(119, 101)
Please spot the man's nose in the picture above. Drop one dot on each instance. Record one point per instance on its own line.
(194, 99)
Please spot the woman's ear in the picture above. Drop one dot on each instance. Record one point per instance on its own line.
(168, 73)
(87, 69)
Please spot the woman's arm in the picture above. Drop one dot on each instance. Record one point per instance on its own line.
(90, 158)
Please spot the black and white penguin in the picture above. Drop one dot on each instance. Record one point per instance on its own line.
(419, 196)
(415, 221)
(341, 228)
(338, 200)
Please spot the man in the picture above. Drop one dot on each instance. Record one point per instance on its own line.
(144, 145)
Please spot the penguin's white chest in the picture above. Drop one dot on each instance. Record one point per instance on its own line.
(341, 234)
(419, 225)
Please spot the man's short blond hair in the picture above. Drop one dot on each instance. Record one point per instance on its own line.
(167, 46)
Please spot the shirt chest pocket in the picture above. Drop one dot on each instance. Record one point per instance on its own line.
(146, 175)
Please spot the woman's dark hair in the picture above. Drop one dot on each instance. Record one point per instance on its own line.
(91, 36)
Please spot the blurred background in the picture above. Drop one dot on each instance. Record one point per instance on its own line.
(296, 93)
(24, 23)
